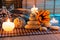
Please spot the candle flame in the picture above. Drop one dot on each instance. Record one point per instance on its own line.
(8, 20)
(33, 6)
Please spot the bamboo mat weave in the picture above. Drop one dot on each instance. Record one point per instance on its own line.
(25, 32)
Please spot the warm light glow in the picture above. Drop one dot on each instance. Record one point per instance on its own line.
(8, 20)
(53, 20)
(8, 26)
(34, 9)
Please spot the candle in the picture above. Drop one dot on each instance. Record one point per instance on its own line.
(34, 9)
(8, 26)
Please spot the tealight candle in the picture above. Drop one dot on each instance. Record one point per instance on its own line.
(8, 26)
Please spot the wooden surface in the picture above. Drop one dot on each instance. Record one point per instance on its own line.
(34, 37)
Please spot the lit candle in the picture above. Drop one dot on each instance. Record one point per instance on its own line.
(8, 26)
(34, 9)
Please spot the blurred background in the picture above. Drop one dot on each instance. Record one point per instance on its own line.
(52, 5)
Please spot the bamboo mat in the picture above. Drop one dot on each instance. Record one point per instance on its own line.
(25, 32)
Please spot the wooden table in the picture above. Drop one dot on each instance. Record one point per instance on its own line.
(34, 37)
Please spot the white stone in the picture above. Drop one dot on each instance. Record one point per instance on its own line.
(44, 28)
(55, 27)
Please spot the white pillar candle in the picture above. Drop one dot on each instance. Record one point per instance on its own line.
(8, 26)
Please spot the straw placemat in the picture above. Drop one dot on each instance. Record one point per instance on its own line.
(25, 32)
